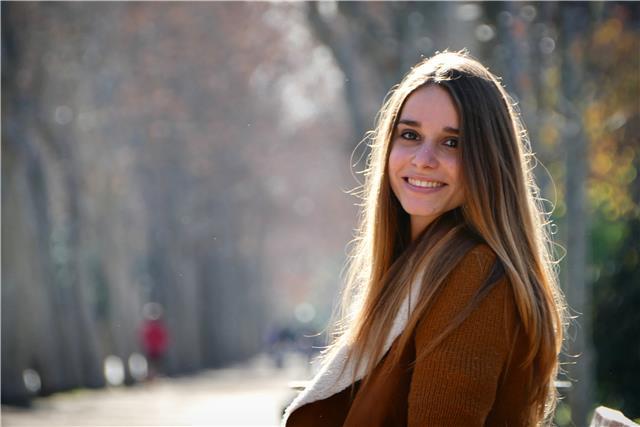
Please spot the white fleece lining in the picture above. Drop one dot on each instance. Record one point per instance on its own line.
(328, 381)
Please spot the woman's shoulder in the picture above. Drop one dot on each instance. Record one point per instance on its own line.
(477, 293)
(477, 267)
(477, 288)
(480, 287)
(480, 255)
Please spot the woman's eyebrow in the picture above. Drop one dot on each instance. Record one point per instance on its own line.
(451, 130)
(417, 124)
(409, 122)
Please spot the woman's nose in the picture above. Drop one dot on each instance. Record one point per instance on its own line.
(425, 156)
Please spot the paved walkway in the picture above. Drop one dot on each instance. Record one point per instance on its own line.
(249, 395)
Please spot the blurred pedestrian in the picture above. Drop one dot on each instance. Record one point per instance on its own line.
(280, 340)
(155, 338)
(453, 314)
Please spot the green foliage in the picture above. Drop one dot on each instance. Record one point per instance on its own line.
(616, 250)
(611, 122)
(563, 415)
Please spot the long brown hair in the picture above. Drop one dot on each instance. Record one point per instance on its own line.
(502, 208)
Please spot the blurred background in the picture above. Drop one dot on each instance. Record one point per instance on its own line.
(175, 177)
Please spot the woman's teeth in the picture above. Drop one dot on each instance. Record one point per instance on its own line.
(425, 184)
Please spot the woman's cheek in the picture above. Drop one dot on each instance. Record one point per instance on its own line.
(398, 153)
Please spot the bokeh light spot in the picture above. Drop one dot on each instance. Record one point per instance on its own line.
(305, 312)
(63, 115)
(468, 12)
(31, 380)
(547, 45)
(114, 370)
(484, 32)
(138, 366)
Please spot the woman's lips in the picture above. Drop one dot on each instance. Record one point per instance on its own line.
(423, 185)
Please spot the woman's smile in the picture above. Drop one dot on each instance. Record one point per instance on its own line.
(418, 184)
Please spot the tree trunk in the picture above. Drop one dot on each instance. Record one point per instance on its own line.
(578, 289)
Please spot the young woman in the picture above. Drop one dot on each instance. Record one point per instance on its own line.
(452, 313)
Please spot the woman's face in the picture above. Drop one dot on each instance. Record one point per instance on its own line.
(425, 160)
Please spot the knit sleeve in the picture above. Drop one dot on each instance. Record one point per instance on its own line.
(456, 382)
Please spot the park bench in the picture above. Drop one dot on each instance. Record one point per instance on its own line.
(607, 417)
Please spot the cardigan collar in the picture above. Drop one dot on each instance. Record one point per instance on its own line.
(328, 380)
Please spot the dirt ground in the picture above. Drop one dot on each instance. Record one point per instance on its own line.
(252, 394)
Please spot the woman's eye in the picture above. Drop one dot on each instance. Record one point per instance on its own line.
(410, 135)
(451, 142)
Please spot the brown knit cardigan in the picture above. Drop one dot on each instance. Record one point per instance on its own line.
(472, 378)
